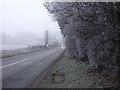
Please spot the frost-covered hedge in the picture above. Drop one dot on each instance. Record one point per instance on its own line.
(91, 31)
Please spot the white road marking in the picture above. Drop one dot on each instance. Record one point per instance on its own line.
(22, 61)
(14, 63)
(19, 61)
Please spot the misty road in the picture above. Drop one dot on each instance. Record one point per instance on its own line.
(22, 71)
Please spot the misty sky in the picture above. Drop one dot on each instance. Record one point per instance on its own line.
(17, 17)
(27, 17)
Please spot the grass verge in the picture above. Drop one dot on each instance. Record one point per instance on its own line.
(77, 75)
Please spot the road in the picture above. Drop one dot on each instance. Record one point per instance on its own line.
(22, 70)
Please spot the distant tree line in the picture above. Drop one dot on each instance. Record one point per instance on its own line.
(28, 38)
(92, 32)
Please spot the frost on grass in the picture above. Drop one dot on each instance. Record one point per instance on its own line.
(77, 74)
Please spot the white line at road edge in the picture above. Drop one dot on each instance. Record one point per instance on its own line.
(19, 62)
(14, 63)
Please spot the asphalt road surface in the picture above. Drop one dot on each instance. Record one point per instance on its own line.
(22, 70)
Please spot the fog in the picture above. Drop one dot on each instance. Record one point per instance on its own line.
(25, 23)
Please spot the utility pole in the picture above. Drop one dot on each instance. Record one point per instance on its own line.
(46, 36)
(46, 39)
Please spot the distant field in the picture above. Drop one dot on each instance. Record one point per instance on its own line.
(12, 47)
(8, 51)
(11, 50)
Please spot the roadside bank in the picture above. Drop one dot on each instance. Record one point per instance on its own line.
(68, 73)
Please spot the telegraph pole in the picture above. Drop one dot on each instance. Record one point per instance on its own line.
(46, 38)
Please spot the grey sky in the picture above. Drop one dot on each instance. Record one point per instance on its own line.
(26, 16)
